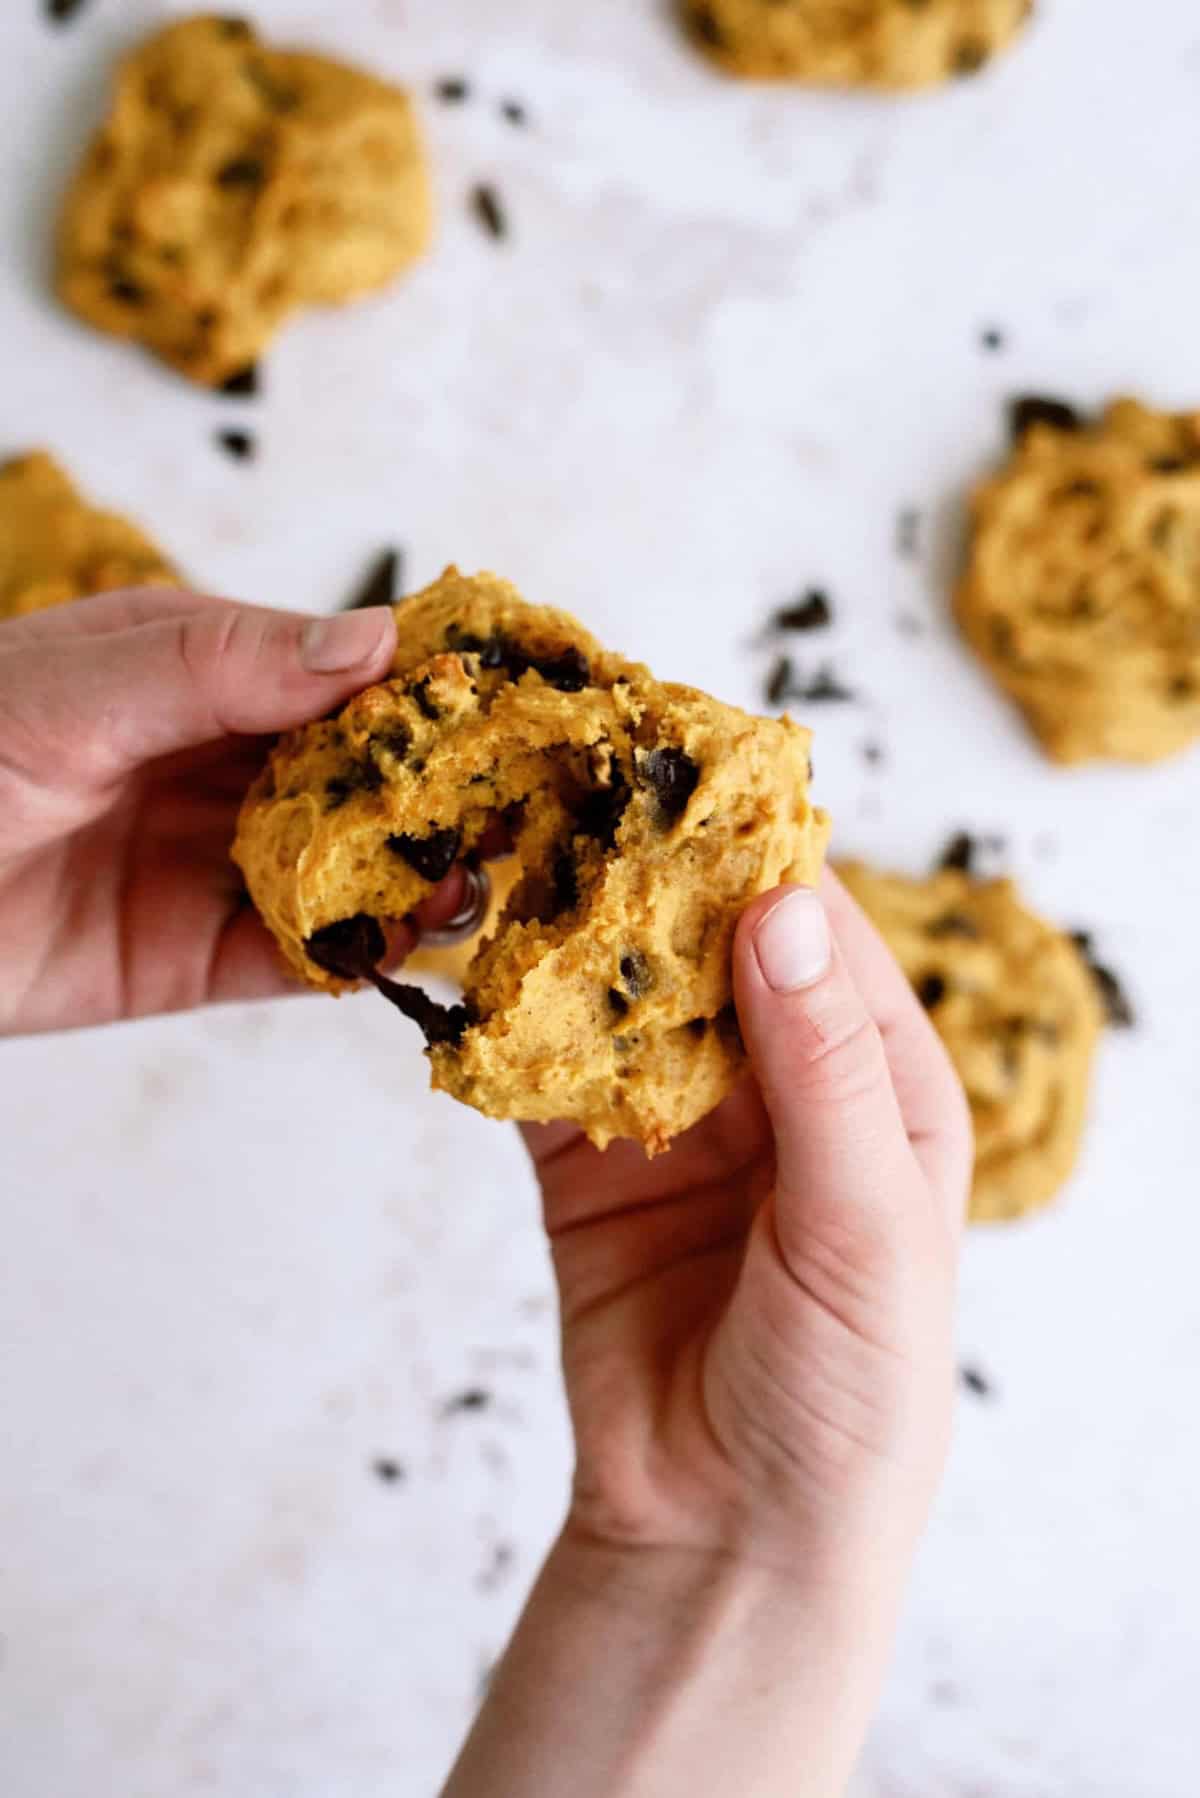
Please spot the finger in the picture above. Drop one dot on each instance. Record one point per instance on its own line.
(929, 1092)
(98, 708)
(118, 609)
(818, 1054)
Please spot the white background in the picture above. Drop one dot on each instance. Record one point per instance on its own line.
(733, 333)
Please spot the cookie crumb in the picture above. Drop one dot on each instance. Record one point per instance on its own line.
(238, 444)
(485, 203)
(382, 584)
(452, 90)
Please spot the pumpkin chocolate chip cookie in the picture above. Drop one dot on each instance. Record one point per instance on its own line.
(232, 184)
(854, 43)
(644, 816)
(55, 547)
(1018, 1009)
(1082, 589)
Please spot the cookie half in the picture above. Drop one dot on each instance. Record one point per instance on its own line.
(55, 547)
(231, 185)
(644, 817)
(1082, 588)
(1017, 1008)
(854, 43)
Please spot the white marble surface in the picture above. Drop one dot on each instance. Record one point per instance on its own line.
(733, 333)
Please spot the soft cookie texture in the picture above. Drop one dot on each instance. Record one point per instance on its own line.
(1016, 1006)
(232, 184)
(854, 43)
(644, 817)
(1082, 589)
(55, 547)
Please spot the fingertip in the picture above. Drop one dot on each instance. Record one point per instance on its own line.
(350, 643)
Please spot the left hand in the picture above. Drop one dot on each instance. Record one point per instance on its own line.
(131, 726)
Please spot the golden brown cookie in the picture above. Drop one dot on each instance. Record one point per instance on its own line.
(54, 547)
(644, 816)
(854, 43)
(1082, 588)
(1016, 1006)
(231, 185)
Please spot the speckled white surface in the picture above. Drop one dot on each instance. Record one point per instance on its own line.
(733, 333)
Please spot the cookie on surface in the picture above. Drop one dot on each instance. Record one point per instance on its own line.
(1082, 588)
(232, 184)
(55, 547)
(644, 817)
(854, 43)
(1017, 1008)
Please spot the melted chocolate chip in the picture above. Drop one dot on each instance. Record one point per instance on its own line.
(350, 950)
(672, 777)
(931, 991)
(636, 975)
(617, 1002)
(243, 385)
(1036, 409)
(697, 1027)
(812, 612)
(362, 777)
(567, 673)
(427, 707)
(242, 171)
(1118, 1008)
(382, 583)
(431, 857)
(565, 879)
(599, 817)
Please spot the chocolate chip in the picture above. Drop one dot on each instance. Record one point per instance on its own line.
(1181, 688)
(618, 1002)
(362, 777)
(636, 974)
(959, 853)
(969, 57)
(514, 112)
(235, 29)
(812, 612)
(673, 777)
(431, 857)
(63, 10)
(1035, 409)
(565, 878)
(389, 1471)
(931, 991)
(954, 924)
(697, 1027)
(452, 90)
(567, 673)
(127, 291)
(976, 1382)
(1118, 1008)
(351, 950)
(238, 444)
(475, 1398)
(600, 815)
(779, 681)
(485, 204)
(705, 27)
(395, 742)
(441, 1024)
(244, 385)
(382, 583)
(242, 171)
(427, 707)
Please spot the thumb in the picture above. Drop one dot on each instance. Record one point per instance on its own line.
(820, 1061)
(107, 703)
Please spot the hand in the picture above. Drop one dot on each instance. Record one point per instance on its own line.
(757, 1341)
(131, 726)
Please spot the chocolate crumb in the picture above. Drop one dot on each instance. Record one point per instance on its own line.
(514, 112)
(431, 857)
(825, 689)
(452, 90)
(992, 339)
(812, 612)
(475, 1398)
(245, 384)
(1035, 409)
(976, 1382)
(779, 681)
(1118, 1008)
(874, 754)
(959, 853)
(389, 1471)
(485, 203)
(61, 11)
(238, 444)
(382, 583)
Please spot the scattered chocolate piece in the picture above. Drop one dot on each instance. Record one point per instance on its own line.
(824, 689)
(1035, 409)
(390, 1472)
(908, 532)
(976, 1382)
(452, 90)
(673, 777)
(381, 584)
(992, 339)
(959, 853)
(874, 754)
(514, 112)
(475, 1398)
(931, 991)
(431, 857)
(779, 681)
(1118, 1008)
(238, 444)
(485, 203)
(812, 612)
(244, 385)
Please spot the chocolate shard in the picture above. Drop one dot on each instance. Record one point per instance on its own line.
(383, 581)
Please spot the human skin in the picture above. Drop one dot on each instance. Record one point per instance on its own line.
(757, 1325)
